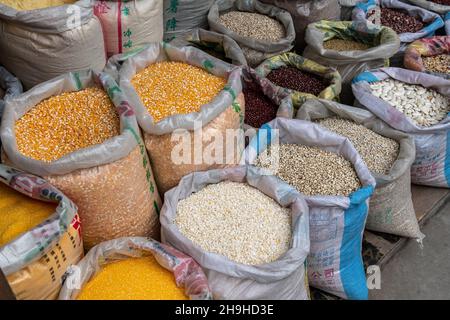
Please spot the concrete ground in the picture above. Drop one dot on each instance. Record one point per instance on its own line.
(415, 273)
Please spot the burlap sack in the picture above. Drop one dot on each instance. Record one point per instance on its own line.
(391, 208)
(255, 51)
(431, 6)
(226, 111)
(39, 45)
(111, 183)
(34, 263)
(129, 24)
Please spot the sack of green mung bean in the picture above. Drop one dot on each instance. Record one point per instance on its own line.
(9, 86)
(190, 106)
(418, 104)
(305, 12)
(80, 133)
(375, 46)
(218, 45)
(249, 232)
(319, 163)
(389, 155)
(260, 29)
(434, 6)
(327, 86)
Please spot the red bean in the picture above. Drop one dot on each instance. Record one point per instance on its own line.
(259, 109)
(400, 21)
(295, 79)
(444, 2)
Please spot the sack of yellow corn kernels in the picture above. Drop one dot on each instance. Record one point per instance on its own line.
(40, 235)
(61, 36)
(129, 24)
(135, 269)
(79, 133)
(185, 101)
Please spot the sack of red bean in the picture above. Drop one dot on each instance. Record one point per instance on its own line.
(218, 45)
(301, 78)
(409, 22)
(430, 55)
(351, 48)
(388, 154)
(439, 6)
(418, 104)
(260, 29)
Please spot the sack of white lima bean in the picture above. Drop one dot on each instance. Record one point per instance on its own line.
(336, 184)
(418, 104)
(247, 230)
(79, 132)
(388, 154)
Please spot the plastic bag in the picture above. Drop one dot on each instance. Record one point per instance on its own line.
(447, 23)
(129, 24)
(350, 63)
(34, 263)
(9, 86)
(181, 16)
(284, 279)
(39, 45)
(336, 223)
(432, 164)
(391, 208)
(111, 183)
(255, 51)
(218, 45)
(293, 60)
(226, 111)
(187, 272)
(347, 7)
(426, 48)
(304, 12)
(431, 6)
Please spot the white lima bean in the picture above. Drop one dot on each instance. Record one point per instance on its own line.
(237, 221)
(425, 107)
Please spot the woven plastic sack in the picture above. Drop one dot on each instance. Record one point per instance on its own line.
(447, 23)
(432, 163)
(283, 279)
(111, 183)
(39, 45)
(336, 223)
(9, 86)
(431, 6)
(347, 7)
(187, 272)
(218, 45)
(304, 12)
(34, 263)
(391, 208)
(255, 51)
(293, 60)
(181, 16)
(225, 111)
(426, 48)
(129, 24)
(350, 63)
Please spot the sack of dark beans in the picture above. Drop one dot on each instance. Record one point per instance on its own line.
(439, 6)
(351, 48)
(305, 12)
(409, 22)
(347, 8)
(261, 30)
(301, 77)
(388, 154)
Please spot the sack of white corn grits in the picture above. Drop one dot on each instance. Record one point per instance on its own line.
(225, 111)
(35, 262)
(391, 208)
(38, 45)
(336, 223)
(442, 9)
(255, 51)
(111, 183)
(129, 24)
(9, 86)
(283, 279)
(186, 271)
(432, 164)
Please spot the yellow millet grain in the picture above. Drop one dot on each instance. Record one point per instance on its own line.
(169, 88)
(19, 213)
(133, 279)
(35, 4)
(66, 123)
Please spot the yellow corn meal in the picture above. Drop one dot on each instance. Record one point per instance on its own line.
(19, 213)
(66, 123)
(133, 279)
(35, 4)
(169, 88)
